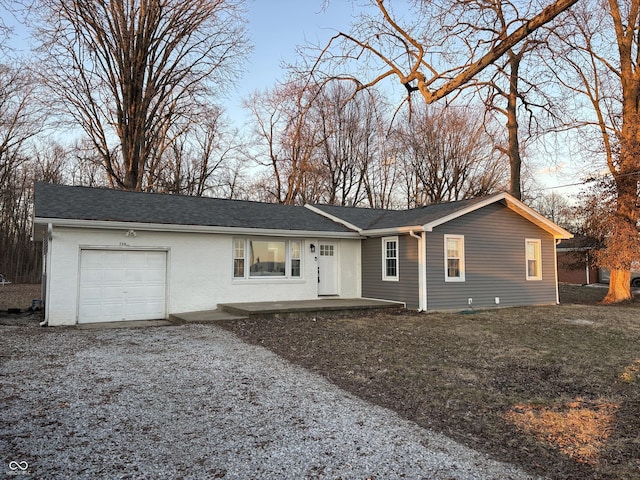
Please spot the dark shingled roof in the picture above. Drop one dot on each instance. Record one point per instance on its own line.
(84, 203)
(372, 219)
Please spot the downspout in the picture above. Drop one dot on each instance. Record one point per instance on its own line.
(45, 322)
(422, 275)
(555, 267)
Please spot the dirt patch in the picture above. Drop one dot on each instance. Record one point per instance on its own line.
(552, 389)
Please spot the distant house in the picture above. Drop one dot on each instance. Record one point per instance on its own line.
(575, 261)
(115, 255)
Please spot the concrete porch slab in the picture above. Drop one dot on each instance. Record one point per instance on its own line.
(239, 311)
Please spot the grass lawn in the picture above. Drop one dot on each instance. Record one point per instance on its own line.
(554, 389)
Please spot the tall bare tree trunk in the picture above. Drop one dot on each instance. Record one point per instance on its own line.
(515, 161)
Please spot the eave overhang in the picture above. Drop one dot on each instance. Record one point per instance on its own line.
(40, 226)
(513, 204)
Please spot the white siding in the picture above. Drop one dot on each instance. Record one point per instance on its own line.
(199, 270)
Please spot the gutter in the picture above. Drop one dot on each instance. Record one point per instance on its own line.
(422, 273)
(161, 227)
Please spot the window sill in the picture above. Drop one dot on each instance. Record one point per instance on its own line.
(454, 280)
(267, 281)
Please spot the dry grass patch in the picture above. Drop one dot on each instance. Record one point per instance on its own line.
(550, 388)
(579, 429)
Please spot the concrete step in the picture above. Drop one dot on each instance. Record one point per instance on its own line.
(204, 316)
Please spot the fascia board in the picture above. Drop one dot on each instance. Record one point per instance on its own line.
(513, 204)
(333, 218)
(390, 231)
(556, 230)
(158, 227)
(428, 227)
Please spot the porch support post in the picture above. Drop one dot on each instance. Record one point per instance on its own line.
(422, 270)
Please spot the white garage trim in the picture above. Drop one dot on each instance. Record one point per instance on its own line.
(119, 284)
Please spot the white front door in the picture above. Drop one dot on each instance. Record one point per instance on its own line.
(118, 285)
(328, 269)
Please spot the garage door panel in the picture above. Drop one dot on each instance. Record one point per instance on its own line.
(121, 285)
(110, 276)
(101, 312)
(138, 310)
(92, 277)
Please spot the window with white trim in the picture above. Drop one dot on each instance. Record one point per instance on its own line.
(390, 259)
(533, 254)
(454, 268)
(267, 258)
(238, 258)
(296, 258)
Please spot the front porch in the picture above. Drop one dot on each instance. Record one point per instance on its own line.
(306, 308)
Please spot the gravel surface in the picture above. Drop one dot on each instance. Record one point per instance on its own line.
(194, 401)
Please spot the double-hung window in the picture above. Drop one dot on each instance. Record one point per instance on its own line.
(238, 258)
(390, 259)
(533, 258)
(296, 258)
(260, 258)
(454, 267)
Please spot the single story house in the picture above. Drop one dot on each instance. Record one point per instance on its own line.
(111, 255)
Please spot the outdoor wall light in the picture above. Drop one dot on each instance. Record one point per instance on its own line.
(130, 233)
(312, 247)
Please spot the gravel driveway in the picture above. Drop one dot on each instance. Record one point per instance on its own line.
(193, 401)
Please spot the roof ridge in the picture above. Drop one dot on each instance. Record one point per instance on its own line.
(157, 194)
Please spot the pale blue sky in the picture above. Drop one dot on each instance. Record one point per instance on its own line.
(276, 28)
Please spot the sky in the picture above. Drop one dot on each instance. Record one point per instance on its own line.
(276, 28)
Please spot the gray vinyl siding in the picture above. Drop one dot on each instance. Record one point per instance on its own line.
(406, 288)
(495, 265)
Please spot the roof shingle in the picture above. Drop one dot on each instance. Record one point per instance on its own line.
(85, 203)
(370, 218)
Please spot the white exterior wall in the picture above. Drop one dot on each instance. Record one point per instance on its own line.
(199, 270)
(350, 271)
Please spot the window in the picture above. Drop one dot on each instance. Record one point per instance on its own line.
(238, 259)
(390, 259)
(295, 258)
(267, 258)
(454, 258)
(534, 256)
(326, 250)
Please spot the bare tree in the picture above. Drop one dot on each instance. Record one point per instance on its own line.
(382, 176)
(348, 143)
(286, 140)
(418, 58)
(558, 209)
(442, 49)
(19, 123)
(198, 161)
(18, 118)
(598, 56)
(127, 71)
(447, 155)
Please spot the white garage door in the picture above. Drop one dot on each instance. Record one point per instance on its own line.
(118, 285)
